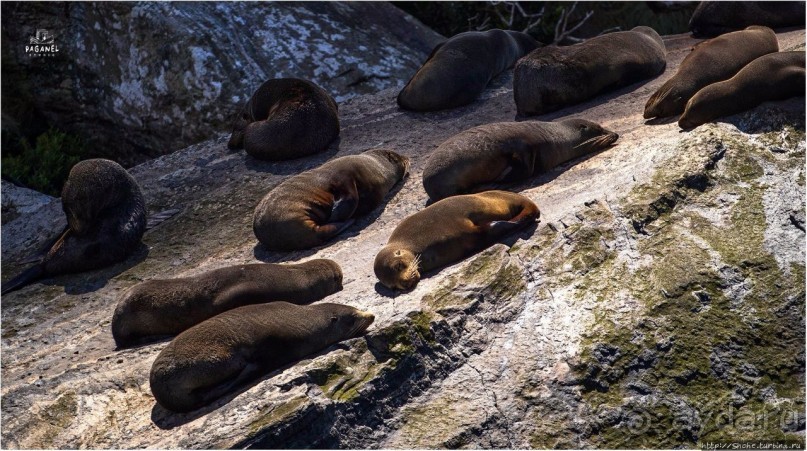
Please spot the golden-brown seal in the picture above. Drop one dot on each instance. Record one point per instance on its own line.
(159, 308)
(459, 69)
(448, 231)
(550, 78)
(710, 61)
(309, 209)
(775, 76)
(507, 152)
(286, 118)
(230, 350)
(106, 217)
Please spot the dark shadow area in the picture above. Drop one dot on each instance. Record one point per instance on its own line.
(166, 419)
(84, 282)
(295, 166)
(99, 278)
(777, 115)
(146, 341)
(587, 104)
(662, 120)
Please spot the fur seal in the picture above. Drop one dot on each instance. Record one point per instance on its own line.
(506, 152)
(710, 61)
(158, 308)
(106, 217)
(775, 76)
(459, 69)
(226, 352)
(550, 78)
(714, 18)
(286, 118)
(309, 209)
(448, 231)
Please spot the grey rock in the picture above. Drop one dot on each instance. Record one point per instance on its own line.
(555, 338)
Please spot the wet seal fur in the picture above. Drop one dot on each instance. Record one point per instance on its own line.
(159, 308)
(309, 209)
(507, 152)
(550, 78)
(775, 76)
(710, 61)
(714, 18)
(459, 69)
(449, 231)
(230, 350)
(106, 217)
(286, 118)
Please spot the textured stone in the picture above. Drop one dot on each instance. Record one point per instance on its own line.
(590, 331)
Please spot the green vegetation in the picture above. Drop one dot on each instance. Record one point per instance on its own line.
(45, 166)
(721, 328)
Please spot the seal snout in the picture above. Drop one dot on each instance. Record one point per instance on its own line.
(363, 321)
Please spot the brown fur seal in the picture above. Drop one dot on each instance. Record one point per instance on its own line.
(775, 76)
(458, 70)
(158, 308)
(448, 231)
(551, 78)
(507, 152)
(226, 352)
(286, 118)
(309, 209)
(106, 217)
(710, 61)
(715, 18)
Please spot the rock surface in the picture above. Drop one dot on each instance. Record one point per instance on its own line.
(659, 302)
(145, 78)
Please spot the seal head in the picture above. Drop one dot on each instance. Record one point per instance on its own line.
(397, 268)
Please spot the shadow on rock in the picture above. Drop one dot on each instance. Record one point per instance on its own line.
(292, 167)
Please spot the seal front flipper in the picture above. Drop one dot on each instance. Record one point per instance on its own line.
(29, 275)
(345, 201)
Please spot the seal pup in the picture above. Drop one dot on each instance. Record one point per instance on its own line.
(714, 18)
(159, 308)
(286, 118)
(775, 76)
(106, 219)
(309, 209)
(507, 152)
(550, 78)
(448, 231)
(710, 61)
(459, 69)
(230, 350)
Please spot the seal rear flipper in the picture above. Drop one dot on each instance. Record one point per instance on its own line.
(327, 231)
(209, 394)
(29, 275)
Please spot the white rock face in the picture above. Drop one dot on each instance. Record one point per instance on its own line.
(662, 290)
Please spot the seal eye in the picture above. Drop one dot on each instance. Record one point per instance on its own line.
(333, 319)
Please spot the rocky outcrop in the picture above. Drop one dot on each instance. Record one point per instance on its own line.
(659, 303)
(144, 79)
